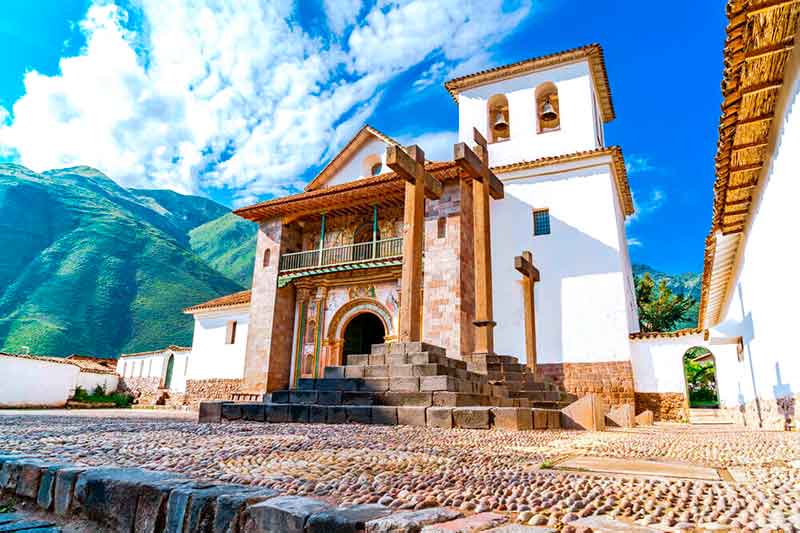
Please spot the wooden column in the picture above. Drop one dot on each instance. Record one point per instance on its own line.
(530, 275)
(484, 185)
(410, 165)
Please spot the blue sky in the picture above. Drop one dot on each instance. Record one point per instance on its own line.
(249, 99)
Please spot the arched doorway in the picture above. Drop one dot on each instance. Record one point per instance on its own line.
(700, 371)
(170, 369)
(362, 332)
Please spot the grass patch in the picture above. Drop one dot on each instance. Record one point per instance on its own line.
(7, 507)
(546, 465)
(99, 395)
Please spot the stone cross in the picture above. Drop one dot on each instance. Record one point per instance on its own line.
(409, 164)
(530, 275)
(484, 185)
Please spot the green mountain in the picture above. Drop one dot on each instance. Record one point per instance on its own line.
(184, 212)
(90, 267)
(688, 283)
(228, 244)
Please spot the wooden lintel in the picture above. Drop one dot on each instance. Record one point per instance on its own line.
(719, 341)
(475, 169)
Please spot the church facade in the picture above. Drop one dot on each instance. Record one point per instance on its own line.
(328, 278)
(517, 245)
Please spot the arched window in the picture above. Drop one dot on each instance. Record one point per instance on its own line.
(499, 123)
(265, 261)
(548, 113)
(371, 165)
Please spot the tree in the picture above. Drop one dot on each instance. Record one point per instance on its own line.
(659, 309)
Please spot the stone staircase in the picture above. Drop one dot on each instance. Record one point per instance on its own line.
(520, 382)
(702, 416)
(413, 383)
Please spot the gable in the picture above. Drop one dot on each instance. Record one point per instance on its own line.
(356, 160)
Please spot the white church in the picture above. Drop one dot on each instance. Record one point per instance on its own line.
(337, 268)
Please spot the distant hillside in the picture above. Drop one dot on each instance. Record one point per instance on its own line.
(228, 244)
(97, 269)
(688, 283)
(184, 212)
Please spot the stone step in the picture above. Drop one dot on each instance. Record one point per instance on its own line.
(512, 418)
(406, 347)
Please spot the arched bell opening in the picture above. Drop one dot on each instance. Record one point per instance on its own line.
(548, 112)
(498, 120)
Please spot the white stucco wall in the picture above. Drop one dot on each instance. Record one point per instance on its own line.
(358, 166)
(584, 311)
(211, 357)
(658, 366)
(154, 365)
(762, 303)
(578, 129)
(28, 382)
(89, 381)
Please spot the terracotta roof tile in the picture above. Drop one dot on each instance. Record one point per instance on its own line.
(642, 335)
(230, 300)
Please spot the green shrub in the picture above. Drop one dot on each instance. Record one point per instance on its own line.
(99, 395)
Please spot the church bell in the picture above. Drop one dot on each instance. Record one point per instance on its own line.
(500, 125)
(548, 111)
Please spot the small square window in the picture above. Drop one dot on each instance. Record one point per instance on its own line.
(541, 221)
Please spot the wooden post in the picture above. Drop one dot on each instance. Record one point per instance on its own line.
(484, 185)
(374, 230)
(410, 165)
(321, 238)
(530, 275)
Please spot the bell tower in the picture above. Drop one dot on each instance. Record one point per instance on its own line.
(547, 106)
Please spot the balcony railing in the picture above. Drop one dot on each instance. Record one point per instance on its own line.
(342, 255)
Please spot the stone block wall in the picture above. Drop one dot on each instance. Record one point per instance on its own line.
(198, 390)
(612, 380)
(448, 272)
(665, 406)
(271, 324)
(144, 390)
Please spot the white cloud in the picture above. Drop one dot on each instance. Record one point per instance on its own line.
(235, 94)
(341, 13)
(642, 208)
(635, 242)
(637, 163)
(438, 145)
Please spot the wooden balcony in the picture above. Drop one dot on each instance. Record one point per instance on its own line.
(348, 254)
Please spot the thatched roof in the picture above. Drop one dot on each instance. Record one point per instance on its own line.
(760, 39)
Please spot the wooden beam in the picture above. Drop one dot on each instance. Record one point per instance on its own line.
(530, 275)
(475, 168)
(407, 163)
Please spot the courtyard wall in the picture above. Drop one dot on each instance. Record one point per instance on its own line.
(32, 381)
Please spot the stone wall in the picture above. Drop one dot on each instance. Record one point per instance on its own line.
(198, 390)
(665, 406)
(448, 272)
(782, 414)
(144, 390)
(612, 380)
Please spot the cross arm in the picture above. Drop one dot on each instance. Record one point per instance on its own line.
(524, 265)
(472, 165)
(408, 168)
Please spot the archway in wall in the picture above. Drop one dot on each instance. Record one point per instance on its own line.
(364, 330)
(700, 371)
(169, 372)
